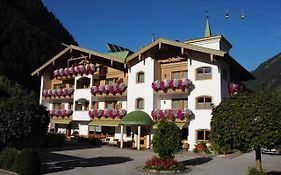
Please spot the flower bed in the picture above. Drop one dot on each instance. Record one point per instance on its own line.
(61, 92)
(182, 84)
(170, 114)
(74, 71)
(155, 165)
(60, 113)
(107, 113)
(109, 89)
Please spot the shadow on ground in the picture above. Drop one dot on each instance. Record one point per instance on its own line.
(274, 173)
(196, 161)
(70, 162)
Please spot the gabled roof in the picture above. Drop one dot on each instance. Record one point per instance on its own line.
(72, 47)
(177, 44)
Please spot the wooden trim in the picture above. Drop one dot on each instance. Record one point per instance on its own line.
(114, 103)
(181, 100)
(176, 44)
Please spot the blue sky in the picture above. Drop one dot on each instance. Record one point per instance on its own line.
(131, 23)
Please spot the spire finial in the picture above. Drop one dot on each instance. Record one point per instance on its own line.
(208, 32)
(153, 37)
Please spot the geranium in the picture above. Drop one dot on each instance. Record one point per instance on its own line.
(68, 112)
(171, 84)
(113, 89)
(56, 73)
(101, 89)
(61, 72)
(54, 92)
(59, 92)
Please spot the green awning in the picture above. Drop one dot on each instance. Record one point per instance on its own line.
(61, 120)
(104, 122)
(179, 124)
(137, 118)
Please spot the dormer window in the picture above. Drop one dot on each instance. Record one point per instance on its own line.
(140, 77)
(203, 73)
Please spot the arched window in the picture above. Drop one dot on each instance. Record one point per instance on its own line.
(81, 105)
(139, 103)
(203, 102)
(203, 73)
(140, 77)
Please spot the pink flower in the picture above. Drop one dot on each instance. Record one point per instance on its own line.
(68, 112)
(66, 72)
(56, 73)
(61, 72)
(180, 86)
(171, 84)
(59, 92)
(101, 89)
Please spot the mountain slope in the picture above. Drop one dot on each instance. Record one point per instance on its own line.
(29, 36)
(267, 74)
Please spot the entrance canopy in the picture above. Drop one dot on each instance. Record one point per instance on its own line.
(137, 118)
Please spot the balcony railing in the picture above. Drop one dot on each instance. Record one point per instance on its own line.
(74, 71)
(171, 114)
(107, 113)
(182, 84)
(57, 93)
(60, 112)
(109, 89)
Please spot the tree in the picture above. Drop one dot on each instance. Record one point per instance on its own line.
(23, 122)
(247, 121)
(167, 140)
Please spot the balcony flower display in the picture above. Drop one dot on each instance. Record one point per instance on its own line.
(107, 113)
(61, 92)
(74, 71)
(108, 89)
(170, 114)
(234, 88)
(60, 113)
(174, 84)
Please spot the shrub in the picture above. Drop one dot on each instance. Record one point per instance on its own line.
(167, 140)
(201, 147)
(28, 162)
(8, 159)
(253, 171)
(54, 140)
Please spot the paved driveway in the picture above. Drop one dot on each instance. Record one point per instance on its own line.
(111, 160)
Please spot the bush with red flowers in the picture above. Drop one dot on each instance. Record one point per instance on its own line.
(158, 164)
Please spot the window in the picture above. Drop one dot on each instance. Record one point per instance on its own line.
(128, 131)
(179, 104)
(110, 81)
(203, 102)
(82, 105)
(140, 77)
(58, 106)
(179, 74)
(202, 135)
(83, 82)
(95, 105)
(139, 103)
(110, 104)
(203, 73)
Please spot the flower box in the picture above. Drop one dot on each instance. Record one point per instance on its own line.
(170, 114)
(74, 71)
(57, 93)
(182, 84)
(107, 113)
(114, 89)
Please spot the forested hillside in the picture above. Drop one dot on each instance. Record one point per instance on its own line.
(268, 74)
(29, 36)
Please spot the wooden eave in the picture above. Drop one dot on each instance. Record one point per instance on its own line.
(70, 48)
(186, 46)
(244, 72)
(221, 37)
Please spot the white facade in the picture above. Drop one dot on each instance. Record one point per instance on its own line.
(141, 90)
(215, 87)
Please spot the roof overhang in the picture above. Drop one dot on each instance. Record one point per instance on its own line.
(89, 53)
(183, 46)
